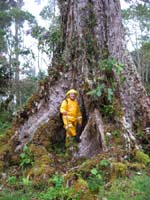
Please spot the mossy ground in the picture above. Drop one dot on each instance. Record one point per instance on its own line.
(58, 175)
(83, 178)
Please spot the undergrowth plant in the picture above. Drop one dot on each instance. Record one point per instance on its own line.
(58, 190)
(5, 121)
(104, 163)
(135, 188)
(26, 157)
(95, 180)
(105, 84)
(12, 180)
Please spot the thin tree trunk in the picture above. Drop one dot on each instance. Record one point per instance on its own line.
(17, 63)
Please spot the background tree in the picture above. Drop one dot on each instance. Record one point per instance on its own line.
(18, 18)
(137, 23)
(15, 58)
(5, 22)
(49, 35)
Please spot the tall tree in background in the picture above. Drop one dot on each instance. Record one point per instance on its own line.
(18, 18)
(12, 44)
(15, 59)
(19, 4)
(5, 23)
(48, 36)
(137, 23)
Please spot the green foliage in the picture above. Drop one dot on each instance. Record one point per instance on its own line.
(135, 188)
(91, 49)
(11, 45)
(110, 94)
(119, 169)
(107, 109)
(26, 181)
(12, 180)
(49, 11)
(110, 64)
(4, 126)
(142, 157)
(136, 19)
(57, 181)
(106, 86)
(5, 74)
(21, 188)
(21, 16)
(140, 134)
(55, 34)
(57, 191)
(104, 163)
(92, 18)
(26, 157)
(5, 121)
(138, 13)
(97, 92)
(116, 133)
(144, 53)
(5, 22)
(48, 39)
(28, 87)
(95, 180)
(147, 87)
(17, 195)
(141, 58)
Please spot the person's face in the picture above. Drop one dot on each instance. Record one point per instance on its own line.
(72, 96)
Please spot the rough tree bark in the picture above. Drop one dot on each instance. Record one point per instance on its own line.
(92, 32)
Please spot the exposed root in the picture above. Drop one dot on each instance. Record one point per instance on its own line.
(100, 127)
(92, 138)
(130, 140)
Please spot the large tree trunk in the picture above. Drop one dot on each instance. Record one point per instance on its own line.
(92, 32)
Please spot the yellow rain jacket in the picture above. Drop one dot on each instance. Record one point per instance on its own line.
(72, 117)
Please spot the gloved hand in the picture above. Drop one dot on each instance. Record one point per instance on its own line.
(64, 113)
(79, 121)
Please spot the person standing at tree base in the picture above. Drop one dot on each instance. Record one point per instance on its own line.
(71, 115)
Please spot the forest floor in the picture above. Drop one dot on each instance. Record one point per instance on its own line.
(99, 178)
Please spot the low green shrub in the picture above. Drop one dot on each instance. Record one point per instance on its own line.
(58, 190)
(26, 157)
(135, 188)
(95, 180)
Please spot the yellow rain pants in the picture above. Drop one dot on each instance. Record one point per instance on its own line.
(72, 117)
